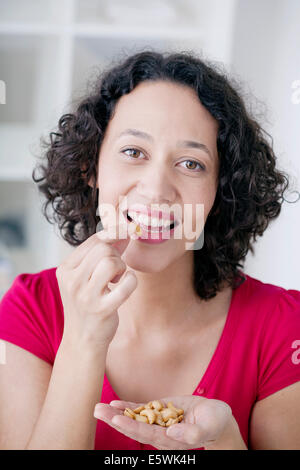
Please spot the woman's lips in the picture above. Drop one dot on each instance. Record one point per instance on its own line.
(151, 212)
(153, 234)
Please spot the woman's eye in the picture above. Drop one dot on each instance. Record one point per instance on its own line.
(131, 150)
(192, 163)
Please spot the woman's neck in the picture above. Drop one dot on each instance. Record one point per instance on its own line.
(166, 301)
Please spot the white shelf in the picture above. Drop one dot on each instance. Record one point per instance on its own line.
(32, 11)
(32, 79)
(139, 32)
(45, 29)
(101, 31)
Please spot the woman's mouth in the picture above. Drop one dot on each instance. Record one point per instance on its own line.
(153, 230)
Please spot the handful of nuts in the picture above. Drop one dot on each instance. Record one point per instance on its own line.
(156, 413)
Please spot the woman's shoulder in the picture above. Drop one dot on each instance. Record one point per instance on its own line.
(31, 313)
(37, 289)
(269, 303)
(272, 334)
(268, 293)
(37, 279)
(40, 285)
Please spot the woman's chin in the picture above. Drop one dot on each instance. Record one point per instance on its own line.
(147, 263)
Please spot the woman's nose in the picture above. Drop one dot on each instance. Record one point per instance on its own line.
(156, 186)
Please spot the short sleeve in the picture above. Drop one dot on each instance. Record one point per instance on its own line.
(279, 358)
(29, 315)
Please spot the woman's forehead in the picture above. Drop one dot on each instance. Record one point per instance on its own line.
(163, 105)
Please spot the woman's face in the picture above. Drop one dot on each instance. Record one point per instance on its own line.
(159, 168)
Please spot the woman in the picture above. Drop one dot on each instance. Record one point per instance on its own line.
(127, 321)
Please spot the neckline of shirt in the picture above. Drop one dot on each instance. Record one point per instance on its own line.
(219, 356)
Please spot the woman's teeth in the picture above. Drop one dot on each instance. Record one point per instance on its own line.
(153, 223)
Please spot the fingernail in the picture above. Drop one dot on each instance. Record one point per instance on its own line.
(97, 413)
(115, 420)
(175, 432)
(97, 410)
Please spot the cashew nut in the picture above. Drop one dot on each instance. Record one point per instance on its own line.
(128, 412)
(142, 418)
(177, 410)
(172, 421)
(139, 409)
(158, 418)
(149, 405)
(168, 413)
(155, 412)
(157, 405)
(150, 415)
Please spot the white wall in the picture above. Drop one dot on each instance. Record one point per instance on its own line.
(266, 56)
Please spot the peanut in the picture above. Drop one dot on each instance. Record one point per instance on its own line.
(155, 412)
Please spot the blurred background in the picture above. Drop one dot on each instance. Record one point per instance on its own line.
(49, 50)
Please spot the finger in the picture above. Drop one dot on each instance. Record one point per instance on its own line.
(105, 271)
(76, 256)
(105, 411)
(145, 433)
(112, 299)
(142, 432)
(103, 262)
(118, 235)
(125, 404)
(92, 258)
(111, 237)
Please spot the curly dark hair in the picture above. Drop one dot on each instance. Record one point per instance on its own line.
(250, 188)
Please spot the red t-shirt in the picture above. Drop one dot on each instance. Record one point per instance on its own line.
(258, 352)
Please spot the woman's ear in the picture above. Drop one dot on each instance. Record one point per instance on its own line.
(91, 180)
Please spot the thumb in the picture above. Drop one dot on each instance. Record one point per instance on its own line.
(118, 235)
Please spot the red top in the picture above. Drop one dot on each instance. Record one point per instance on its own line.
(258, 352)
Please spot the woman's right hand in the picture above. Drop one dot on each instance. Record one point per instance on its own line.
(90, 307)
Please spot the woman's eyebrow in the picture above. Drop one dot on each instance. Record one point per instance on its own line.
(180, 143)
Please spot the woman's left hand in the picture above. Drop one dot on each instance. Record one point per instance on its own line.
(206, 422)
